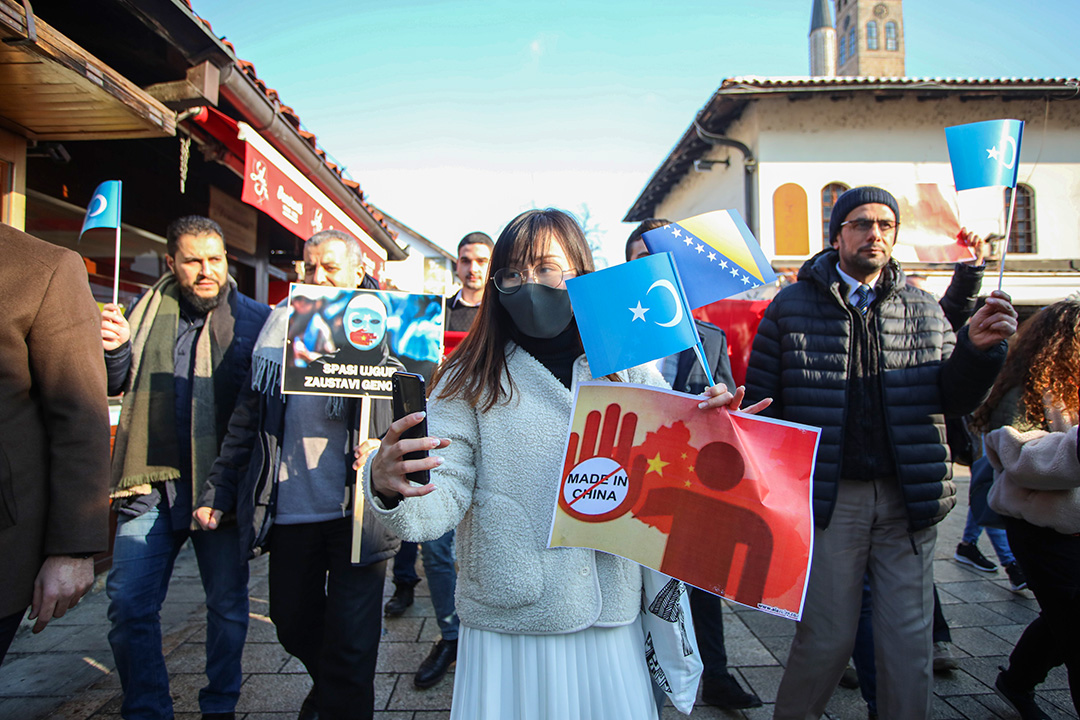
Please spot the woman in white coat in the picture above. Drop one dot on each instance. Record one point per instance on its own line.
(546, 633)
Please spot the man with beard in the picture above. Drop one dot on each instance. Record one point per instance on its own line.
(286, 471)
(852, 349)
(194, 327)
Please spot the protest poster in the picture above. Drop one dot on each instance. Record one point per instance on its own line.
(716, 499)
(350, 342)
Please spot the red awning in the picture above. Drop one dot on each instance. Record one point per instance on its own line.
(276, 187)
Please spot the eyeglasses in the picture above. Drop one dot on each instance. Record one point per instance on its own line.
(865, 225)
(509, 280)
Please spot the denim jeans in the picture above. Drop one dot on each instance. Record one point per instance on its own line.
(998, 538)
(405, 564)
(145, 550)
(438, 558)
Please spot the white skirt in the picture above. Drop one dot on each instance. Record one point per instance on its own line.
(594, 674)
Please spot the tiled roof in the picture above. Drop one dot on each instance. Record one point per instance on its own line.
(290, 116)
(733, 95)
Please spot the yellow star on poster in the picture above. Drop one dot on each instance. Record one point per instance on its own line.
(657, 465)
(691, 468)
(684, 456)
(687, 483)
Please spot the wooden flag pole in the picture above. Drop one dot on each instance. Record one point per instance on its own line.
(358, 486)
(1008, 234)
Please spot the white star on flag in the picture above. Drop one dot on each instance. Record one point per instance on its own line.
(745, 279)
(639, 312)
(688, 241)
(734, 272)
(723, 264)
(993, 153)
(712, 256)
(676, 232)
(700, 249)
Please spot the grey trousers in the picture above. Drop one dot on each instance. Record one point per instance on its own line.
(868, 531)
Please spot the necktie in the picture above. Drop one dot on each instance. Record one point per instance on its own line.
(862, 298)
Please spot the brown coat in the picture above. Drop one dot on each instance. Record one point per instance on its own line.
(54, 417)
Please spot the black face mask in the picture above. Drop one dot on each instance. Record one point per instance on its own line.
(539, 311)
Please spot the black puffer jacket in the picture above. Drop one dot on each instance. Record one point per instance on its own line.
(801, 359)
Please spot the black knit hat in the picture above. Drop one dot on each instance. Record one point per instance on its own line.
(855, 197)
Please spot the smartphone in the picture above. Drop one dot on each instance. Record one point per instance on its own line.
(409, 397)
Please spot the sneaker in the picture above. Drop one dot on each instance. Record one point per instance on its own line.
(968, 554)
(850, 679)
(1017, 581)
(943, 658)
(1021, 702)
(724, 692)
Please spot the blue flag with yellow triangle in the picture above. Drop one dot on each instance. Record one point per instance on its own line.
(716, 254)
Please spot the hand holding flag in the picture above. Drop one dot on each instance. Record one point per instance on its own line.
(716, 254)
(987, 154)
(631, 314)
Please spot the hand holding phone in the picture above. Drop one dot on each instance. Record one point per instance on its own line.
(410, 397)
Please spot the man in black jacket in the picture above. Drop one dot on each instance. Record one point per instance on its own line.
(286, 470)
(874, 363)
(180, 362)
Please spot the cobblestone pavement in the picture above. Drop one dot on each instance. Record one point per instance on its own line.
(67, 673)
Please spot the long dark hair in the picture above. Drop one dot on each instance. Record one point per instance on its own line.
(1043, 361)
(476, 367)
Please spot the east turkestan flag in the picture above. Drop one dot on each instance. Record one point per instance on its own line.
(104, 208)
(985, 154)
(631, 314)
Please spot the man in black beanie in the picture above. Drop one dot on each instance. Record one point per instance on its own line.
(875, 364)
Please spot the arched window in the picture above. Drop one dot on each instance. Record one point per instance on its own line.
(1022, 234)
(790, 220)
(829, 194)
(871, 35)
(852, 43)
(890, 36)
(840, 54)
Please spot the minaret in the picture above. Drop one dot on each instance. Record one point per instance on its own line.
(870, 38)
(822, 41)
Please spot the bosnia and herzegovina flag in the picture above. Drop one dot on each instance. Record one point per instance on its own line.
(631, 314)
(104, 208)
(716, 253)
(985, 154)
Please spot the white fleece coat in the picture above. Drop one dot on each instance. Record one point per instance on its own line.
(1036, 477)
(498, 486)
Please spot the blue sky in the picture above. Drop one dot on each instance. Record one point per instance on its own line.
(456, 116)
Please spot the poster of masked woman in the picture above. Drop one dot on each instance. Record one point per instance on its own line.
(365, 337)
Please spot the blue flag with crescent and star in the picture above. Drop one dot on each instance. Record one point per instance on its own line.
(985, 154)
(632, 314)
(716, 253)
(104, 208)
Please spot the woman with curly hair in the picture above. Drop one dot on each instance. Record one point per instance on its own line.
(1037, 393)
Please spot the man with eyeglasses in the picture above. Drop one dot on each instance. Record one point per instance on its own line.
(852, 349)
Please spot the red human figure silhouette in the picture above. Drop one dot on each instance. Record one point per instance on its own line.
(706, 531)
